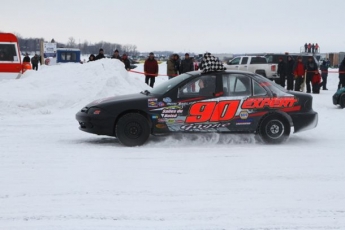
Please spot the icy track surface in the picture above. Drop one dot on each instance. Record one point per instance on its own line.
(55, 177)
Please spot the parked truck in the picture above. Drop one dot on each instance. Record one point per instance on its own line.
(255, 64)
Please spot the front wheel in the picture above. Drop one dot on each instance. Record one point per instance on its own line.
(342, 101)
(274, 129)
(132, 129)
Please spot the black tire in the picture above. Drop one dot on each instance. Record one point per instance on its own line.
(274, 129)
(260, 72)
(132, 129)
(342, 101)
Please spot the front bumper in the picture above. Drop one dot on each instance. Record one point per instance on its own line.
(101, 124)
(304, 121)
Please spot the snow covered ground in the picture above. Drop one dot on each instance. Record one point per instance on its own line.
(54, 176)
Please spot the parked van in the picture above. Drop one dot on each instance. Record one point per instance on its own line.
(11, 66)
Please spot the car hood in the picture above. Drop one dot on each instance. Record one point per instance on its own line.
(118, 99)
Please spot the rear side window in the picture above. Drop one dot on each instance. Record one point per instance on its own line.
(244, 60)
(8, 52)
(258, 60)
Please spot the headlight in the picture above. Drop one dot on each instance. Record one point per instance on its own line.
(94, 111)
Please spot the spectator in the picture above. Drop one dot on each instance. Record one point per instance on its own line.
(316, 82)
(34, 62)
(281, 71)
(126, 61)
(116, 55)
(177, 64)
(92, 58)
(309, 48)
(151, 70)
(324, 74)
(316, 48)
(171, 72)
(305, 47)
(186, 64)
(289, 73)
(26, 58)
(311, 68)
(100, 54)
(313, 48)
(342, 74)
(299, 71)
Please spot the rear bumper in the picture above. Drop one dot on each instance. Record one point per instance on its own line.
(304, 121)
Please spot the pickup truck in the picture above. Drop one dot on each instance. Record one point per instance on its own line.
(255, 64)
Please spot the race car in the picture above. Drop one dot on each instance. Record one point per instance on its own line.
(196, 102)
(339, 97)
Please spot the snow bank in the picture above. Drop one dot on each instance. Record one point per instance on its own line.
(64, 86)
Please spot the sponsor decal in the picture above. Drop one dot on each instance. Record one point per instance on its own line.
(244, 114)
(152, 102)
(161, 104)
(161, 126)
(167, 99)
(259, 103)
(171, 104)
(191, 127)
(154, 116)
(212, 111)
(171, 113)
(244, 122)
(161, 120)
(179, 121)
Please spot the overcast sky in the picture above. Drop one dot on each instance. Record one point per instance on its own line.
(222, 26)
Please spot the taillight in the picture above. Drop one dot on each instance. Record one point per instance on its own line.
(273, 68)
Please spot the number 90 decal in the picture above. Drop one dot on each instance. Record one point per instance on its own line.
(212, 111)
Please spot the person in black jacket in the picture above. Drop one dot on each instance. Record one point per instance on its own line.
(26, 58)
(281, 71)
(126, 61)
(311, 68)
(186, 64)
(289, 72)
(324, 74)
(100, 55)
(342, 74)
(116, 55)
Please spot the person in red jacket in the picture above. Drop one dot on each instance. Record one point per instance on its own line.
(151, 70)
(299, 72)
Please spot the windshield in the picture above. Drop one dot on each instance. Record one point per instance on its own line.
(167, 85)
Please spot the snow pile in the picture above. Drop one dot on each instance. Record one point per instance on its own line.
(64, 86)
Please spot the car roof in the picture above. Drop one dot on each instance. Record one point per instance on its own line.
(194, 73)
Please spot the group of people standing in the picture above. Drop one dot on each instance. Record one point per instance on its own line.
(175, 66)
(297, 74)
(311, 48)
(116, 55)
(34, 60)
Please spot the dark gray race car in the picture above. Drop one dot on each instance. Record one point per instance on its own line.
(195, 102)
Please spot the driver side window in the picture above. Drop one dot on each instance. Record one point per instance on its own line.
(201, 86)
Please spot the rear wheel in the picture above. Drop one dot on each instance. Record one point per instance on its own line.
(342, 101)
(260, 72)
(274, 129)
(132, 129)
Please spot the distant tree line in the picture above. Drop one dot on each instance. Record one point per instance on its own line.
(33, 45)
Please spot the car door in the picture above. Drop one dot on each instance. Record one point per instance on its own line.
(191, 108)
(239, 89)
(244, 64)
(234, 63)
